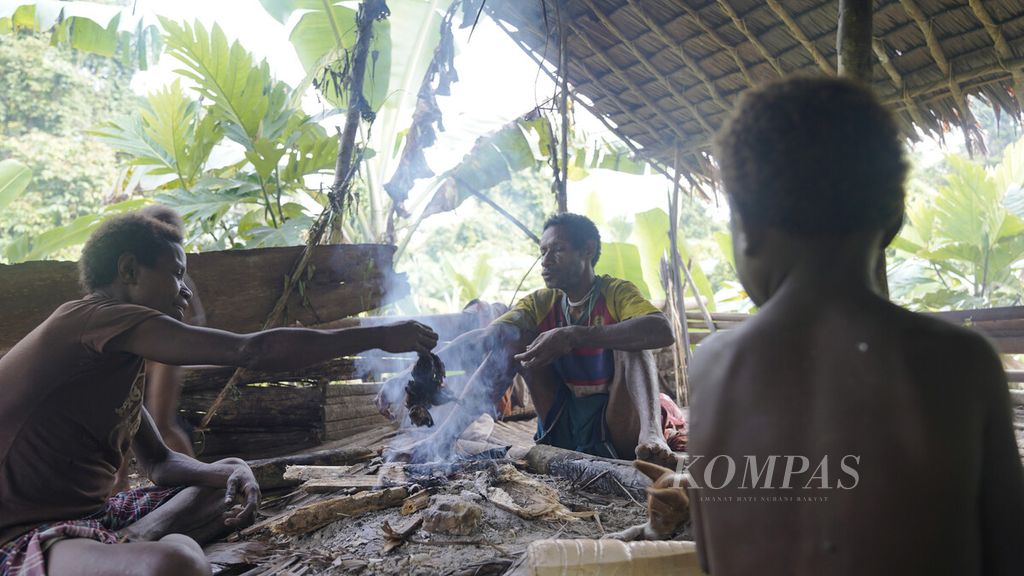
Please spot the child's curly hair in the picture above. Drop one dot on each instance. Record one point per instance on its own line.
(813, 156)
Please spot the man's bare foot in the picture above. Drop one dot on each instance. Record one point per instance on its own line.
(656, 451)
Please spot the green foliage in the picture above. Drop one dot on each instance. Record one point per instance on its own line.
(48, 96)
(170, 133)
(963, 244)
(259, 199)
(622, 260)
(14, 178)
(106, 29)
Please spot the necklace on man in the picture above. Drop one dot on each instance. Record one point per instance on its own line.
(590, 299)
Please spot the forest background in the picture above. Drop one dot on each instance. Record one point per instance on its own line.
(82, 138)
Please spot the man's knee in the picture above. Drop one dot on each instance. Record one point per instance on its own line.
(180, 555)
(232, 462)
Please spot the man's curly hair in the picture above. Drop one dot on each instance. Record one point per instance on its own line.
(580, 229)
(146, 234)
(813, 156)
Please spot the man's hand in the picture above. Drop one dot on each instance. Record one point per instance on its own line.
(242, 487)
(409, 336)
(549, 346)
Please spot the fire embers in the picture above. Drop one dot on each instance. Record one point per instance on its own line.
(426, 389)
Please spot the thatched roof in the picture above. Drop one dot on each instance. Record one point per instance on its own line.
(665, 73)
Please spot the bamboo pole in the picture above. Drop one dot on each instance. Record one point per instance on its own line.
(678, 299)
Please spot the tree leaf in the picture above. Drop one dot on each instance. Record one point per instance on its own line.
(87, 26)
(622, 260)
(14, 179)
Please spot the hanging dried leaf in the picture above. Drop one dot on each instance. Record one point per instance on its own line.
(427, 117)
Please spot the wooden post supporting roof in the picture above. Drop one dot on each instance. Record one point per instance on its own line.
(853, 42)
(855, 51)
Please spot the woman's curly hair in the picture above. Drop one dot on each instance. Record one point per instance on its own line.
(146, 234)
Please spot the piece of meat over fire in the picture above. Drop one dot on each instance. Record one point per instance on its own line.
(426, 389)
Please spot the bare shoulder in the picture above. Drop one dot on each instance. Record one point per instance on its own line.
(948, 342)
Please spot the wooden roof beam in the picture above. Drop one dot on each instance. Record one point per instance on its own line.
(717, 38)
(1003, 51)
(801, 37)
(646, 63)
(742, 27)
(968, 124)
(897, 80)
(647, 152)
(608, 94)
(679, 51)
(961, 79)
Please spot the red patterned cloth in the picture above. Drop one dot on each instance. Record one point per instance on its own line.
(673, 424)
(26, 554)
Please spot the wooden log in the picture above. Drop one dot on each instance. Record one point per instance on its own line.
(203, 377)
(354, 400)
(251, 443)
(981, 315)
(416, 502)
(257, 406)
(1017, 397)
(304, 473)
(270, 471)
(595, 473)
(36, 289)
(336, 390)
(353, 423)
(335, 412)
(347, 433)
(357, 482)
(319, 514)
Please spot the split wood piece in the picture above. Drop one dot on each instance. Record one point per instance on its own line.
(320, 479)
(201, 378)
(349, 425)
(319, 514)
(603, 475)
(334, 412)
(525, 497)
(392, 474)
(339, 390)
(353, 400)
(307, 473)
(270, 472)
(1017, 397)
(255, 442)
(416, 502)
(394, 538)
(329, 485)
(343, 434)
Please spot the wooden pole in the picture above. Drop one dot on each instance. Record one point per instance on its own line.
(855, 50)
(561, 194)
(853, 43)
(677, 297)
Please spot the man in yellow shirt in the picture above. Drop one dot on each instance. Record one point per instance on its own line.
(583, 344)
